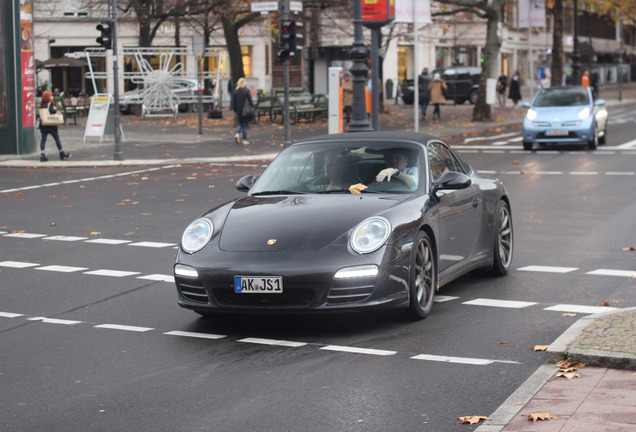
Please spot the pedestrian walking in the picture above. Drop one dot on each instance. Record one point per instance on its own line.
(242, 103)
(502, 85)
(438, 88)
(347, 96)
(47, 102)
(515, 88)
(425, 94)
(594, 82)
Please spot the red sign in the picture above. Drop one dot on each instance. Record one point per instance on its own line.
(378, 11)
(28, 67)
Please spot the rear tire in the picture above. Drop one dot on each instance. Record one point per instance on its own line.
(423, 277)
(503, 240)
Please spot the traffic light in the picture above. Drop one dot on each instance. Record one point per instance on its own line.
(287, 46)
(106, 39)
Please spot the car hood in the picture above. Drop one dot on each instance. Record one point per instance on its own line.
(297, 222)
(551, 114)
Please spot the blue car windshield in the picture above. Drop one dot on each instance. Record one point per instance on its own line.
(562, 98)
(336, 167)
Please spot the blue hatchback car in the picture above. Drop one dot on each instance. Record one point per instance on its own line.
(568, 115)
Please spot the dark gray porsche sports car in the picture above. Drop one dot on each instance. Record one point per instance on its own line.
(355, 221)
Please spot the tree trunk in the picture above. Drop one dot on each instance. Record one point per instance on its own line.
(482, 111)
(557, 43)
(230, 31)
(145, 39)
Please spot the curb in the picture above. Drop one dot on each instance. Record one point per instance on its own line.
(559, 349)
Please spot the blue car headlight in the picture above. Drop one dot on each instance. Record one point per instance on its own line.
(532, 114)
(584, 113)
(197, 235)
(370, 235)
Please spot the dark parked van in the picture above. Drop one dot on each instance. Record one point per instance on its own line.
(462, 82)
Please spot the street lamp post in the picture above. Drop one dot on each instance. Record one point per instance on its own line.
(49, 42)
(576, 56)
(359, 70)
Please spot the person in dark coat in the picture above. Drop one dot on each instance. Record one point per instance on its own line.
(594, 81)
(502, 85)
(515, 88)
(242, 96)
(425, 94)
(47, 102)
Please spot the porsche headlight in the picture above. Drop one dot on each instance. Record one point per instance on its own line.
(197, 235)
(532, 114)
(584, 113)
(370, 235)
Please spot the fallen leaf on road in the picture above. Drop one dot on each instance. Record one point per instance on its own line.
(606, 303)
(567, 314)
(568, 375)
(471, 419)
(631, 248)
(94, 233)
(565, 364)
(515, 162)
(540, 416)
(540, 347)
(501, 342)
(52, 224)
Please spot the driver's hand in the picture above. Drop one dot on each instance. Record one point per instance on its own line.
(386, 173)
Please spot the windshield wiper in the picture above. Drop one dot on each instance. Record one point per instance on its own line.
(278, 192)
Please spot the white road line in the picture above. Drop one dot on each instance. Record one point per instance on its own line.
(107, 241)
(358, 350)
(124, 327)
(65, 238)
(608, 272)
(62, 269)
(442, 299)
(113, 273)
(157, 277)
(54, 321)
(17, 264)
(499, 303)
(629, 144)
(273, 342)
(579, 308)
(548, 172)
(151, 244)
(25, 235)
(583, 173)
(548, 269)
(448, 359)
(9, 315)
(620, 173)
(195, 335)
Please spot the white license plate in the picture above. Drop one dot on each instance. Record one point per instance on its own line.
(556, 132)
(258, 284)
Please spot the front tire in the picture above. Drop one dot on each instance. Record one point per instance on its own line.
(504, 240)
(527, 145)
(423, 277)
(593, 143)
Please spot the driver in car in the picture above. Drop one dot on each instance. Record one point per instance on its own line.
(396, 168)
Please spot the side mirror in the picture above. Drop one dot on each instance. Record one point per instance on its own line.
(245, 183)
(599, 102)
(525, 104)
(452, 180)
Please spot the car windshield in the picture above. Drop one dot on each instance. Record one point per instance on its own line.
(561, 98)
(334, 167)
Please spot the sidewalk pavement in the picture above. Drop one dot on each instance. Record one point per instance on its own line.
(163, 140)
(601, 398)
(593, 390)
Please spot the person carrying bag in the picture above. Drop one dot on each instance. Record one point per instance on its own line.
(50, 118)
(243, 106)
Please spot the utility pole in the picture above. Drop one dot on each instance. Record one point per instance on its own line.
(117, 155)
(359, 70)
(287, 135)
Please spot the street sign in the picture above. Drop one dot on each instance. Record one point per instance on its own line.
(265, 6)
(295, 6)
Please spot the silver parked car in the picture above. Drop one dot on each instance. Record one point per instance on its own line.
(568, 115)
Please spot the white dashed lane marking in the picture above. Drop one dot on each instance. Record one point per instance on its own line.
(124, 328)
(356, 350)
(499, 303)
(195, 335)
(273, 342)
(148, 244)
(548, 269)
(580, 308)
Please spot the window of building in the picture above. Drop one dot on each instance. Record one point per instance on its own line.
(246, 52)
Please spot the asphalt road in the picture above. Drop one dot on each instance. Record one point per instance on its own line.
(92, 338)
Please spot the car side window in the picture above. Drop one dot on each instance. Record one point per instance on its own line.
(441, 161)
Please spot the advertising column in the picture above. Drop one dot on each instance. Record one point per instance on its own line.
(17, 78)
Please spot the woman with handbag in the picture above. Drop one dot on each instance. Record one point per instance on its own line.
(243, 106)
(49, 127)
(438, 88)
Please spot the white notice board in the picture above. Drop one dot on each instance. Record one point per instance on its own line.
(97, 116)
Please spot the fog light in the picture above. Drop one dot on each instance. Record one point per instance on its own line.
(185, 271)
(357, 272)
